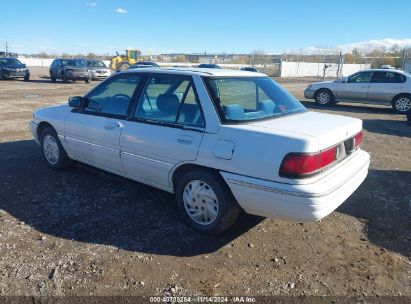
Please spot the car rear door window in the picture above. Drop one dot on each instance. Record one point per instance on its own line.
(387, 77)
(114, 97)
(170, 100)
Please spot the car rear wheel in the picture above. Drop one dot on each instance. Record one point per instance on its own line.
(205, 203)
(27, 77)
(324, 97)
(402, 103)
(53, 152)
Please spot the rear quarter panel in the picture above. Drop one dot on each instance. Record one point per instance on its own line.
(254, 153)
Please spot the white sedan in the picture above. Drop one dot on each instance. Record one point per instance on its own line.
(219, 139)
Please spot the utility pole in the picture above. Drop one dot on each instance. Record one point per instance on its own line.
(405, 55)
(7, 50)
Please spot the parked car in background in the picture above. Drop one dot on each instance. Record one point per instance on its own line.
(387, 66)
(97, 69)
(209, 66)
(219, 139)
(13, 68)
(69, 69)
(144, 64)
(377, 86)
(249, 69)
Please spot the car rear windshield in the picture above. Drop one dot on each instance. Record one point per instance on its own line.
(242, 99)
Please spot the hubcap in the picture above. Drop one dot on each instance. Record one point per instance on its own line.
(51, 149)
(403, 104)
(323, 98)
(200, 202)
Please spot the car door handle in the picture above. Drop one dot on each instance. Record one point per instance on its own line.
(185, 139)
(110, 125)
(366, 87)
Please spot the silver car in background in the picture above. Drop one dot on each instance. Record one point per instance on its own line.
(376, 86)
(97, 68)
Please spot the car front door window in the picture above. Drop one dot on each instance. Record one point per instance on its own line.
(113, 98)
(363, 77)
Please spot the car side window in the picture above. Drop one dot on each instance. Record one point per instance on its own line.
(393, 77)
(379, 77)
(168, 99)
(114, 97)
(362, 77)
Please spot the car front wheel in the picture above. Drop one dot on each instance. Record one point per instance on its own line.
(324, 97)
(205, 203)
(402, 103)
(53, 152)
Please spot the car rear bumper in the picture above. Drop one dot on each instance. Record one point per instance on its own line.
(309, 93)
(302, 202)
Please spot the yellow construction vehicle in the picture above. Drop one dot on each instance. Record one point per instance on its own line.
(121, 62)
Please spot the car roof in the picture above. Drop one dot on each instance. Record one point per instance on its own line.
(383, 70)
(198, 71)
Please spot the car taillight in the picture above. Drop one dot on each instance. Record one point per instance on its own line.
(358, 139)
(303, 165)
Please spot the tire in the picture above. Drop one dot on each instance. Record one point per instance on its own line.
(52, 78)
(401, 103)
(87, 80)
(27, 77)
(206, 192)
(53, 152)
(64, 77)
(324, 97)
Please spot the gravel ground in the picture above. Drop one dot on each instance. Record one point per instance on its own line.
(88, 232)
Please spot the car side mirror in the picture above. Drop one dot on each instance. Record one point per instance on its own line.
(75, 101)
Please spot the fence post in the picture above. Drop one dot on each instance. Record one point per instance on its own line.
(405, 54)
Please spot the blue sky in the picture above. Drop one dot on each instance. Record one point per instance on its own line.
(159, 26)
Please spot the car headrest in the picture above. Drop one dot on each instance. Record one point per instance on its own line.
(168, 103)
(235, 112)
(267, 106)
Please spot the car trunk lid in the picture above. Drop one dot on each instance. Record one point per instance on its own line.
(329, 130)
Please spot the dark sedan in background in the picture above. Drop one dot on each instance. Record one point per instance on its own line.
(69, 69)
(144, 64)
(13, 68)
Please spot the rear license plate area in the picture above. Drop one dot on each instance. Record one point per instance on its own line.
(349, 145)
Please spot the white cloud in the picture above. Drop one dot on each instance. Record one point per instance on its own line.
(362, 46)
(91, 4)
(120, 10)
(366, 46)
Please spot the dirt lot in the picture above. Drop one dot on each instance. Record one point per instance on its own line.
(87, 232)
